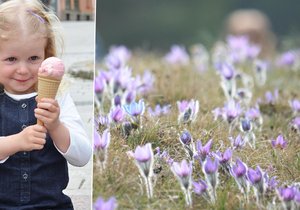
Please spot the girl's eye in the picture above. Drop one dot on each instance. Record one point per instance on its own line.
(11, 59)
(34, 58)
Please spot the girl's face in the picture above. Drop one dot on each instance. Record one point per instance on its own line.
(20, 59)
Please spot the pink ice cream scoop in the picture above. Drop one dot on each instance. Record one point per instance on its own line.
(52, 67)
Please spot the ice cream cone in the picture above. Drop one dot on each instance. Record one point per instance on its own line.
(47, 88)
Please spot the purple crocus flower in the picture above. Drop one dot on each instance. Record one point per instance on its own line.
(237, 143)
(147, 82)
(210, 166)
(117, 114)
(225, 157)
(99, 84)
(203, 151)
(252, 113)
(143, 154)
(183, 172)
(103, 120)
(271, 98)
(200, 187)
(255, 176)
(159, 110)
(287, 59)
(185, 137)
(188, 110)
(101, 142)
(246, 125)
(231, 111)
(101, 204)
(177, 55)
(182, 105)
(280, 142)
(121, 52)
(296, 123)
(135, 109)
(239, 169)
(227, 71)
(238, 172)
(287, 193)
(295, 105)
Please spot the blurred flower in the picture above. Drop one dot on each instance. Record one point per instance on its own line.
(295, 105)
(144, 159)
(245, 125)
(103, 120)
(188, 110)
(101, 143)
(271, 98)
(159, 110)
(117, 114)
(101, 204)
(210, 170)
(260, 69)
(188, 144)
(227, 71)
(185, 137)
(200, 57)
(135, 109)
(177, 55)
(183, 172)
(237, 143)
(200, 187)
(203, 151)
(287, 195)
(239, 169)
(287, 59)
(280, 142)
(122, 53)
(253, 114)
(296, 123)
(231, 111)
(257, 180)
(238, 172)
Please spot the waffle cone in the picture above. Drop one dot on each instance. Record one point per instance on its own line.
(47, 88)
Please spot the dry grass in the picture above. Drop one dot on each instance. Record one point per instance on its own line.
(121, 177)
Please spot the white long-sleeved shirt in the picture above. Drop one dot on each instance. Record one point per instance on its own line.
(80, 150)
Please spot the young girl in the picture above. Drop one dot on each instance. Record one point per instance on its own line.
(33, 158)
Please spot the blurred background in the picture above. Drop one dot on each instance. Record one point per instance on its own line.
(157, 24)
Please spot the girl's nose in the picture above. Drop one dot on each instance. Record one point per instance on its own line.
(23, 69)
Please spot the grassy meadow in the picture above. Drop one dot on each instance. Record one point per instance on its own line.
(121, 177)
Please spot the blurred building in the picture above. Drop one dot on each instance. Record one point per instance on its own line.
(72, 10)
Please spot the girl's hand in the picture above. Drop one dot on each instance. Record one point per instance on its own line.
(48, 112)
(32, 138)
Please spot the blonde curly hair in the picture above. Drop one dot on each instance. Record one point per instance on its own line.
(31, 16)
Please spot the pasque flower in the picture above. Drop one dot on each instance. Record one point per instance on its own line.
(224, 159)
(295, 105)
(280, 142)
(177, 55)
(144, 159)
(287, 195)
(101, 143)
(135, 109)
(188, 110)
(256, 178)
(101, 204)
(183, 172)
(203, 151)
(210, 169)
(117, 114)
(239, 171)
